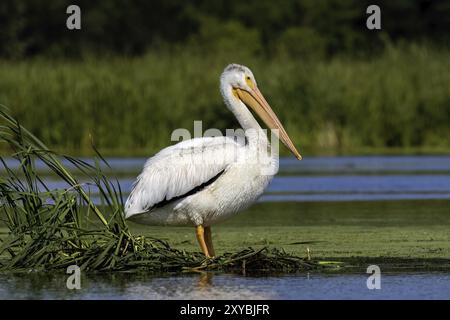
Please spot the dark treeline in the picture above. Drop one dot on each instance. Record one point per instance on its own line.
(30, 28)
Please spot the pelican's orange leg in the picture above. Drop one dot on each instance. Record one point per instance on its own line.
(200, 232)
(208, 240)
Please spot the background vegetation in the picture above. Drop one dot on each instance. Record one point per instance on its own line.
(139, 69)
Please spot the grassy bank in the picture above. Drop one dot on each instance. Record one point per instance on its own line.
(396, 102)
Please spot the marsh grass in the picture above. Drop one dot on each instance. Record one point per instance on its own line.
(53, 229)
(397, 101)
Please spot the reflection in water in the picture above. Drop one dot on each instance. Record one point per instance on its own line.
(205, 285)
(212, 286)
(204, 281)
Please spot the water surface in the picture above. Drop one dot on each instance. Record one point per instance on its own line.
(226, 286)
(324, 179)
(328, 178)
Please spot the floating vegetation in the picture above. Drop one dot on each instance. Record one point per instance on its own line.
(53, 229)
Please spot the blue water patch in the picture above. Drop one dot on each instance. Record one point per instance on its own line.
(302, 286)
(374, 164)
(326, 178)
(332, 188)
(315, 165)
(351, 197)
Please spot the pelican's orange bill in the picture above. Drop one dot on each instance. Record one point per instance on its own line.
(255, 100)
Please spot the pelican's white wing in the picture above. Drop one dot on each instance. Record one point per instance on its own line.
(179, 169)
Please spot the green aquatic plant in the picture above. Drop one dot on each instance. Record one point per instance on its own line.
(344, 105)
(53, 229)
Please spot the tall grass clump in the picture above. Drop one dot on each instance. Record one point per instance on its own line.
(53, 229)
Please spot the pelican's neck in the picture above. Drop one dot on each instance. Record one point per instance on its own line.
(253, 132)
(256, 137)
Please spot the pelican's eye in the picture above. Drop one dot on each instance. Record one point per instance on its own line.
(249, 82)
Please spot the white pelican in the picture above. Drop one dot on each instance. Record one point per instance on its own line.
(202, 181)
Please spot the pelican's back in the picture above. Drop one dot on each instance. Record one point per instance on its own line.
(177, 170)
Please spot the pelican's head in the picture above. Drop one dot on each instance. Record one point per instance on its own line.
(238, 76)
(240, 84)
